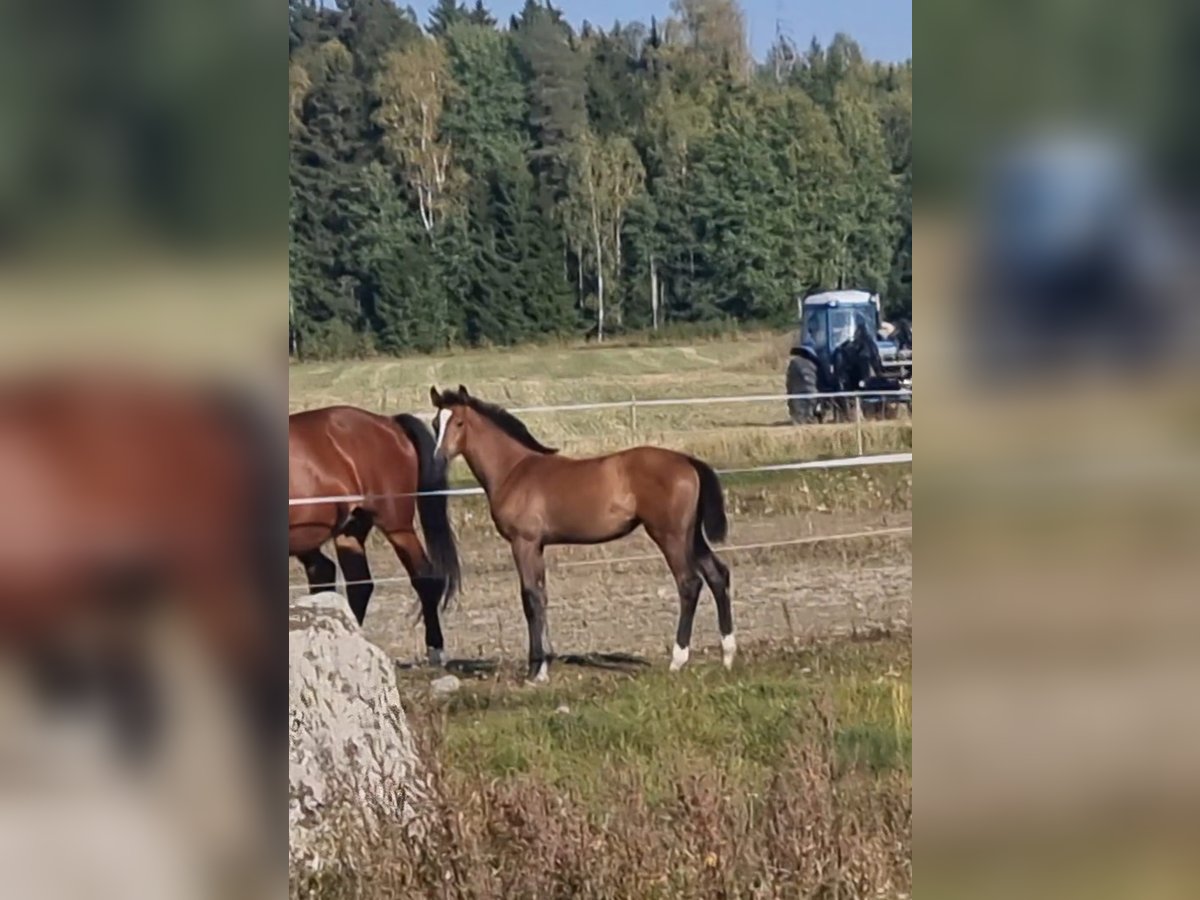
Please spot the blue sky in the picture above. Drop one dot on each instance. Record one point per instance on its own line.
(883, 28)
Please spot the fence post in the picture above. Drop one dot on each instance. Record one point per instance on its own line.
(858, 421)
(633, 414)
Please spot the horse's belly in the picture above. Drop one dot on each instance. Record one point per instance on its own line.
(585, 519)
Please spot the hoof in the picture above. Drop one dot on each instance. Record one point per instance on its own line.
(541, 676)
(436, 657)
(728, 649)
(679, 656)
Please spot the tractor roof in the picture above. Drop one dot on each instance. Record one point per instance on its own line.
(839, 298)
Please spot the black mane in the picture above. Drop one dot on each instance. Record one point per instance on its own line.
(498, 416)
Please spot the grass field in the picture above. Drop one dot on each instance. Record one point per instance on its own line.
(787, 777)
(726, 434)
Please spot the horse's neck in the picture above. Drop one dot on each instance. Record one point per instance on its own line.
(492, 463)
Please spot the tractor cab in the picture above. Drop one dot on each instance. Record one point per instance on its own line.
(828, 320)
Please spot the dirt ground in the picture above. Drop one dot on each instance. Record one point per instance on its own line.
(603, 601)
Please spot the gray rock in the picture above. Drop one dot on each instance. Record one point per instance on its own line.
(447, 684)
(352, 761)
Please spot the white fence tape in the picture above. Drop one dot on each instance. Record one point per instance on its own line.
(651, 557)
(692, 401)
(700, 401)
(845, 462)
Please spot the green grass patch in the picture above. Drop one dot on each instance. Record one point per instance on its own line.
(585, 729)
(789, 777)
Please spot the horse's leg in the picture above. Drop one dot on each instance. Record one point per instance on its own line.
(430, 589)
(132, 692)
(352, 557)
(125, 608)
(716, 575)
(105, 670)
(319, 570)
(531, 566)
(676, 550)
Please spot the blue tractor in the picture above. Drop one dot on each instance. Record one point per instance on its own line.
(828, 321)
(1078, 261)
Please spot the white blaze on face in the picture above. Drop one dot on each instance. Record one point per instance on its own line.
(443, 419)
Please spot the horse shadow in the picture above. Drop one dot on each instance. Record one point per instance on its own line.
(481, 667)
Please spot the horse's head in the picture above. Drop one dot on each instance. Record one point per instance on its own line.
(450, 423)
(464, 422)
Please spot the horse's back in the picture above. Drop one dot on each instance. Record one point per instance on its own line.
(103, 473)
(345, 451)
(349, 441)
(638, 482)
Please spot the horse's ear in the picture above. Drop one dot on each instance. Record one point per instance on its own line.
(462, 390)
(435, 396)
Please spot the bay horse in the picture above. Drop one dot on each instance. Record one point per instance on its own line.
(540, 498)
(125, 496)
(381, 461)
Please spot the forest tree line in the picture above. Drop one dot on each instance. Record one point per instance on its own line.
(467, 182)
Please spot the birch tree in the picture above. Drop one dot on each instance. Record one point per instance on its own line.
(413, 87)
(606, 176)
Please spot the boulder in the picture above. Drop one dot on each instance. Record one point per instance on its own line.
(352, 763)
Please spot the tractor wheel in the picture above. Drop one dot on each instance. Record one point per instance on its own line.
(802, 379)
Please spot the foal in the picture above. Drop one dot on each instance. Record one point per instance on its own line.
(539, 498)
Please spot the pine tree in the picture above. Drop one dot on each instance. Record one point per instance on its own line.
(445, 15)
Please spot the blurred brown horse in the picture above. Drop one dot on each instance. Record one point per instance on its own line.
(380, 462)
(539, 498)
(125, 496)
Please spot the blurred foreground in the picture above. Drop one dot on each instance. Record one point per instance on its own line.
(143, 277)
(1058, 639)
(142, 664)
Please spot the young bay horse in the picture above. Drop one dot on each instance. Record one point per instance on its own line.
(539, 498)
(380, 461)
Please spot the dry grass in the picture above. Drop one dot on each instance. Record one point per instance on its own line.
(789, 778)
(531, 376)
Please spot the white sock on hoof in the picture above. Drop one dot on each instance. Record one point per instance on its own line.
(728, 649)
(543, 673)
(436, 656)
(679, 656)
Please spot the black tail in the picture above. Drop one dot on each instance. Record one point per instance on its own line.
(711, 505)
(435, 517)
